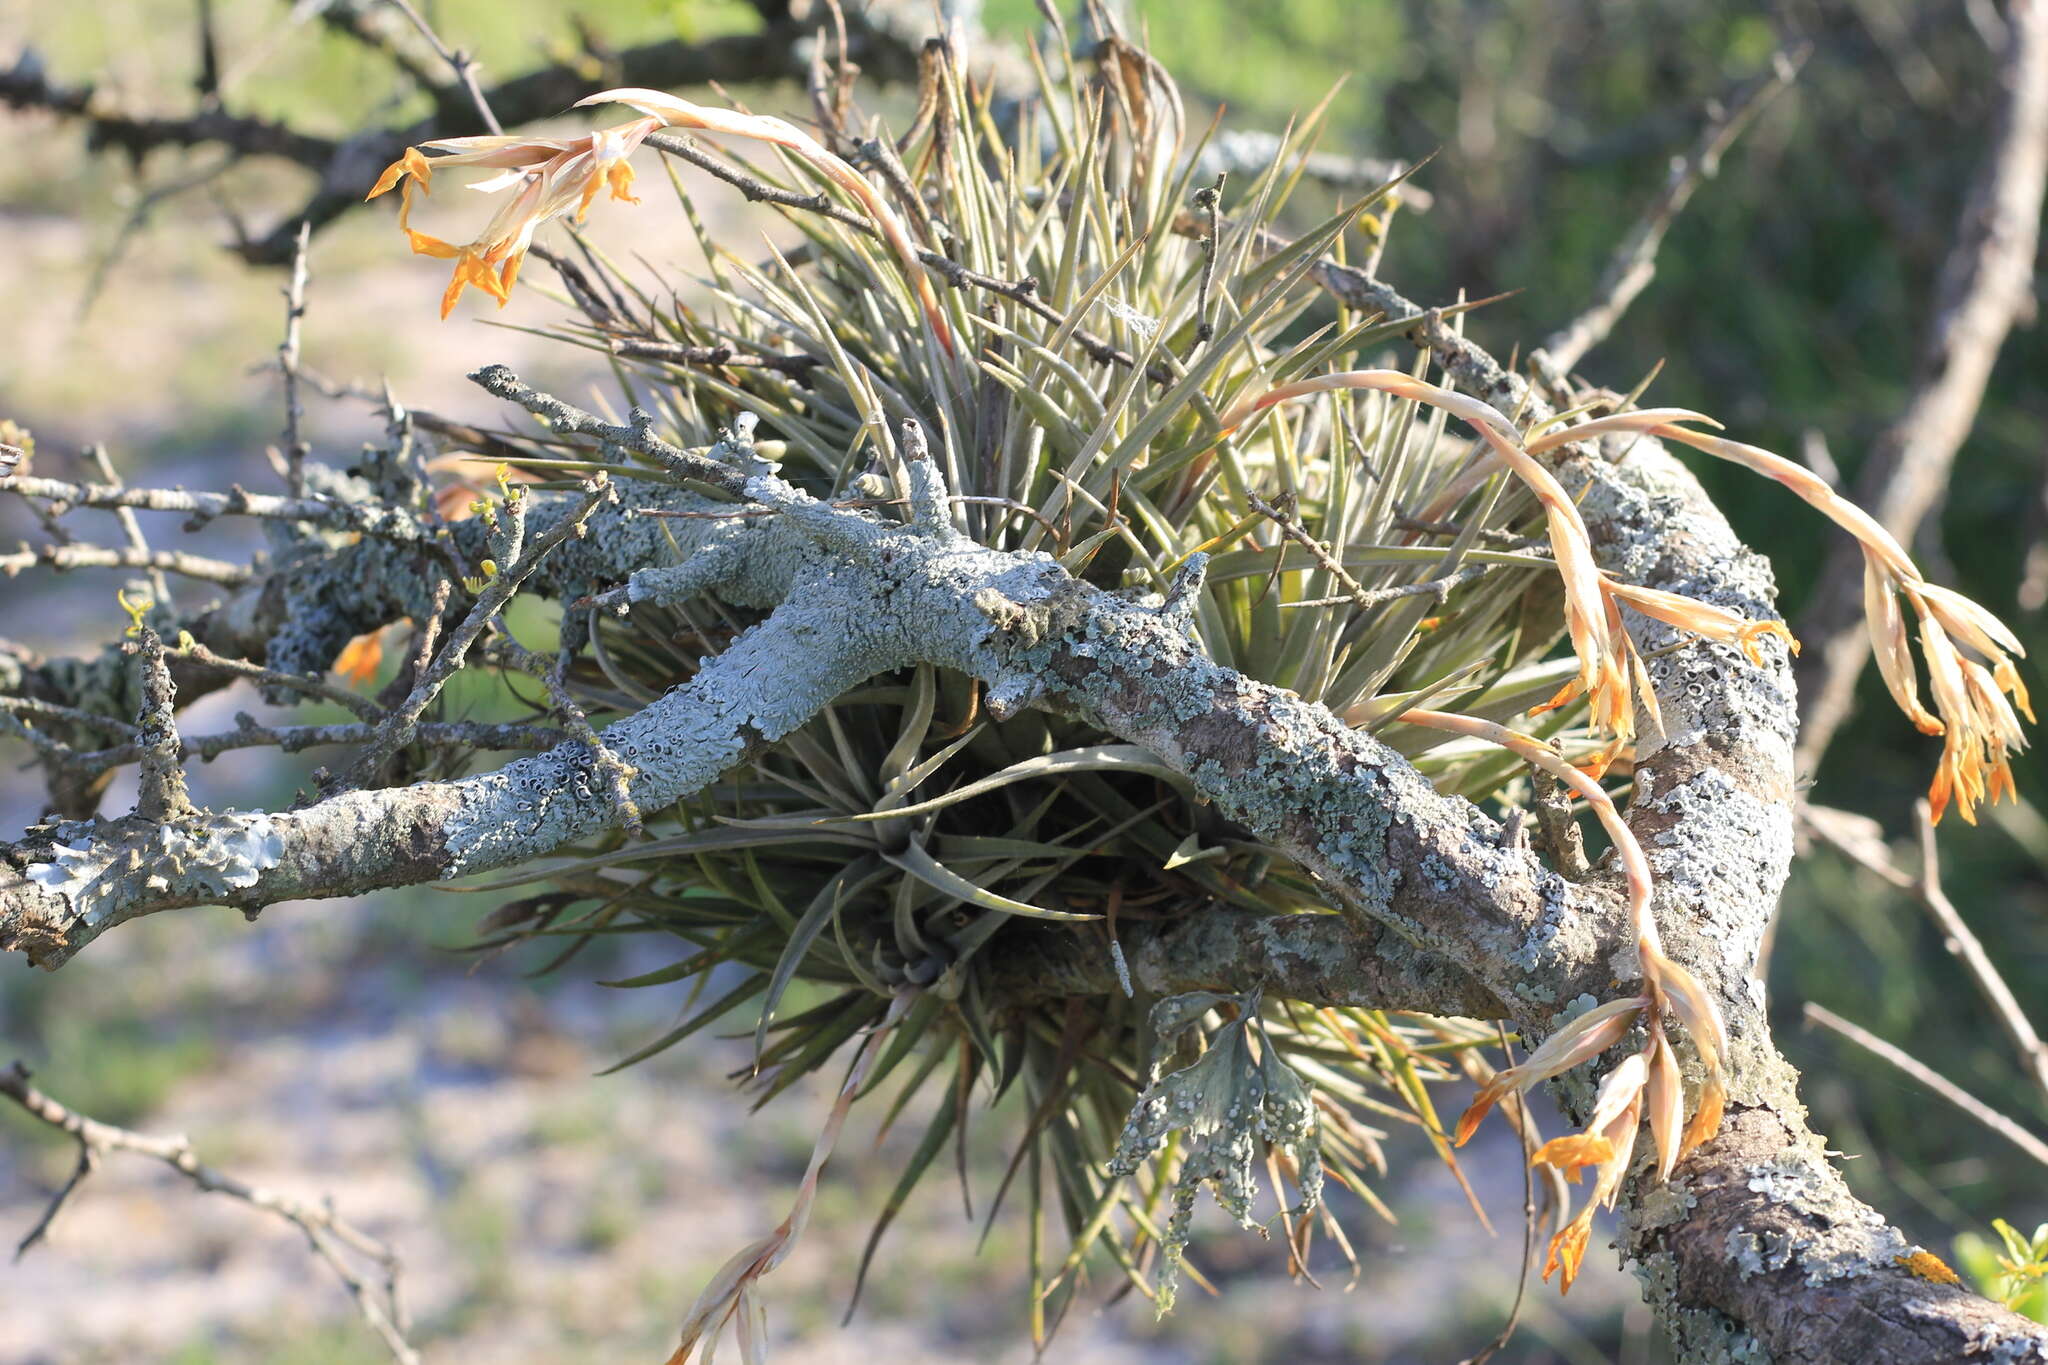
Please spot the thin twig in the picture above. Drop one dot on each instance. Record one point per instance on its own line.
(292, 739)
(131, 527)
(322, 1227)
(1868, 851)
(296, 448)
(157, 562)
(1356, 593)
(461, 63)
(618, 773)
(798, 366)
(566, 419)
(1525, 1132)
(191, 651)
(69, 715)
(1933, 1080)
(1210, 202)
(1634, 263)
(371, 519)
(1371, 598)
(399, 729)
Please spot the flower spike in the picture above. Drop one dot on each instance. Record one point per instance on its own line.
(1974, 697)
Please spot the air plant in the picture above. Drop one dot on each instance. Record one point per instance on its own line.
(892, 871)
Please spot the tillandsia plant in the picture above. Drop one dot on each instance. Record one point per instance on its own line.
(973, 662)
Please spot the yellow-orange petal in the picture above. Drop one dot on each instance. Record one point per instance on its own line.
(1573, 1150)
(386, 181)
(414, 163)
(508, 275)
(1565, 695)
(1753, 631)
(359, 658)
(1475, 1113)
(425, 244)
(2008, 677)
(471, 269)
(1706, 1120)
(1568, 1251)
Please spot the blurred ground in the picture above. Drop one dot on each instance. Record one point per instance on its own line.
(547, 1214)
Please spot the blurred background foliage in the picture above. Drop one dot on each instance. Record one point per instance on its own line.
(1789, 301)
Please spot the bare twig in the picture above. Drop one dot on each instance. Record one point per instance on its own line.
(1525, 1131)
(69, 715)
(797, 366)
(374, 519)
(1868, 851)
(1210, 201)
(618, 773)
(131, 527)
(460, 62)
(292, 739)
(1985, 288)
(382, 1307)
(573, 421)
(398, 730)
(1356, 593)
(192, 651)
(296, 447)
(157, 562)
(1634, 263)
(1933, 1080)
(27, 86)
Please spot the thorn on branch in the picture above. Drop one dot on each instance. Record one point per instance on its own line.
(1184, 591)
(928, 496)
(1557, 832)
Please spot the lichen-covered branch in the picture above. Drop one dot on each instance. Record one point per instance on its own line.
(1442, 911)
(1713, 809)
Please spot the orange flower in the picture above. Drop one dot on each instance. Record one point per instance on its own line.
(682, 113)
(1644, 1084)
(360, 658)
(553, 177)
(1977, 721)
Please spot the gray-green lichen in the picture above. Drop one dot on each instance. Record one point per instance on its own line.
(1232, 1101)
(204, 858)
(1837, 1238)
